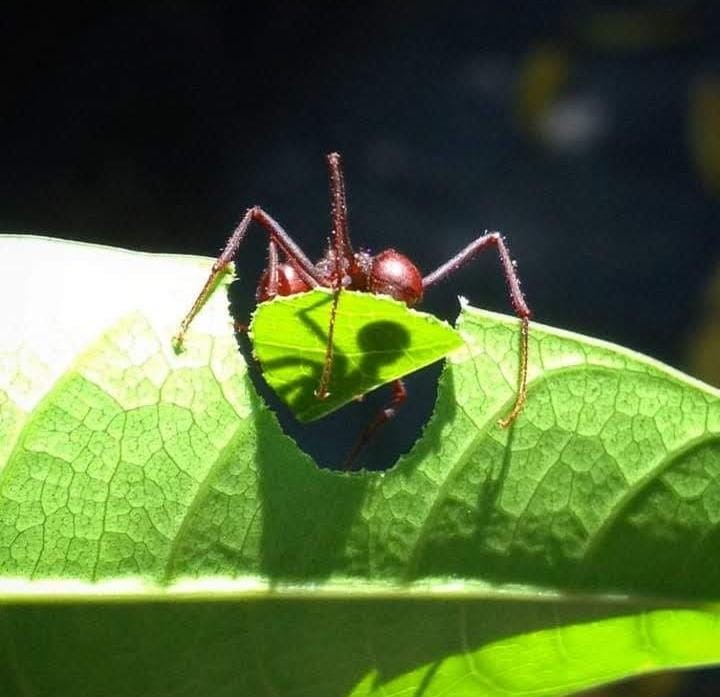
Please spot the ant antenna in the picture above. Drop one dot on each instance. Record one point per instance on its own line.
(338, 206)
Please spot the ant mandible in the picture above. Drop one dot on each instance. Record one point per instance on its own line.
(388, 272)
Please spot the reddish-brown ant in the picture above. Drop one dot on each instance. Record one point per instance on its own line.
(389, 273)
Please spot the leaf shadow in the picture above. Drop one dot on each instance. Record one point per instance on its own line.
(240, 647)
(307, 512)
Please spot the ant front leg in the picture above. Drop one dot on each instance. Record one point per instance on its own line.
(399, 395)
(495, 239)
(278, 237)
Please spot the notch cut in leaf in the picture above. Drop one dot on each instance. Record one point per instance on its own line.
(377, 340)
(527, 561)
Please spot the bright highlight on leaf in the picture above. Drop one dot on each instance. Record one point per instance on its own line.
(577, 547)
(377, 340)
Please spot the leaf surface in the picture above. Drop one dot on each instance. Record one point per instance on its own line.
(575, 548)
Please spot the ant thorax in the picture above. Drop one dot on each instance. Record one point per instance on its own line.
(355, 270)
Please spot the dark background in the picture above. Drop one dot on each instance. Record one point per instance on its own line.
(584, 131)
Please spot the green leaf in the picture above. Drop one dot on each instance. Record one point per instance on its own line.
(376, 340)
(575, 548)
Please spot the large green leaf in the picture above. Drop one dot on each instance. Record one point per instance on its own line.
(376, 340)
(577, 547)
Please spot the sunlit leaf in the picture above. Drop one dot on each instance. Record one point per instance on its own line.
(577, 547)
(376, 340)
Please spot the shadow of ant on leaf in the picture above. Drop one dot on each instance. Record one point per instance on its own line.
(380, 344)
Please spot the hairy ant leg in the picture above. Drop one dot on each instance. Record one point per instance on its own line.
(300, 262)
(495, 239)
(399, 395)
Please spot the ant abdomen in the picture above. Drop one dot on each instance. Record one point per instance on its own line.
(395, 275)
(289, 282)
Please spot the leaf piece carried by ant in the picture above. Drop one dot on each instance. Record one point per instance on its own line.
(377, 340)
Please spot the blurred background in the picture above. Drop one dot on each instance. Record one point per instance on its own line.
(588, 132)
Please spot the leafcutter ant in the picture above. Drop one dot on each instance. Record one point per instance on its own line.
(389, 272)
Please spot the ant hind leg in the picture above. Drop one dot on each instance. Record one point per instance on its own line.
(389, 412)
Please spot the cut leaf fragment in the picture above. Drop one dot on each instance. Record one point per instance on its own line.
(376, 340)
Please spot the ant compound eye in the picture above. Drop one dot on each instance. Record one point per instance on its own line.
(395, 275)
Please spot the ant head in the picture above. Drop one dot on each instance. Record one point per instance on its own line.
(289, 282)
(393, 274)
